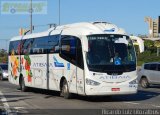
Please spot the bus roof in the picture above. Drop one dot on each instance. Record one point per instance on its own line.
(77, 29)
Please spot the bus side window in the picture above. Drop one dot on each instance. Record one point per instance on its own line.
(68, 49)
(13, 47)
(40, 45)
(53, 44)
(27, 46)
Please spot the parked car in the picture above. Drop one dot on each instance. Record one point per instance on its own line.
(149, 74)
(3, 71)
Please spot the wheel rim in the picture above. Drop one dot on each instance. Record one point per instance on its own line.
(22, 84)
(65, 89)
(144, 83)
(1, 78)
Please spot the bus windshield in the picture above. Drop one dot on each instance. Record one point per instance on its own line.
(110, 53)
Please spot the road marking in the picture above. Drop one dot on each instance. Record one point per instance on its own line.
(19, 107)
(5, 104)
(131, 103)
(155, 106)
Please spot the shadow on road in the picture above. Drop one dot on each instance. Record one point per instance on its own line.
(15, 96)
(4, 80)
(48, 93)
(154, 86)
(140, 96)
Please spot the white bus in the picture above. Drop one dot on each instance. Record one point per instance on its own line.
(91, 59)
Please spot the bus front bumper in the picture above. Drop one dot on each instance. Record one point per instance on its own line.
(111, 90)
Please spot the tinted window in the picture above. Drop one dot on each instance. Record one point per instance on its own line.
(39, 45)
(153, 67)
(158, 67)
(53, 44)
(27, 46)
(147, 66)
(68, 48)
(110, 54)
(105, 49)
(14, 47)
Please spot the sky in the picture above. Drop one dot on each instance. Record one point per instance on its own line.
(127, 14)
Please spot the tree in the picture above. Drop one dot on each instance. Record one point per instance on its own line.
(148, 43)
(157, 45)
(3, 56)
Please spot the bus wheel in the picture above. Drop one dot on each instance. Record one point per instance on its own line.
(1, 78)
(22, 85)
(65, 90)
(144, 83)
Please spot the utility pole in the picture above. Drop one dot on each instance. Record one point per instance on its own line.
(31, 10)
(59, 12)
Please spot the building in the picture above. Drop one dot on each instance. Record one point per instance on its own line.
(154, 27)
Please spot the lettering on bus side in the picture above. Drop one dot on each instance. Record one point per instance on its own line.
(42, 65)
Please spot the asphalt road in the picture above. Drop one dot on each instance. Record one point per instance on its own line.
(43, 102)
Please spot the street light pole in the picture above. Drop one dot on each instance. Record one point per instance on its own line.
(31, 17)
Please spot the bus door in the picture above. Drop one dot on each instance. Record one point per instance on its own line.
(68, 56)
(80, 68)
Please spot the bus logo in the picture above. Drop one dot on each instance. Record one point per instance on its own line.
(110, 30)
(57, 64)
(115, 77)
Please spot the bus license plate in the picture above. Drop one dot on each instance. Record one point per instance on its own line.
(115, 89)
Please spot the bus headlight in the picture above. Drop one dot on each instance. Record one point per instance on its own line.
(91, 82)
(133, 82)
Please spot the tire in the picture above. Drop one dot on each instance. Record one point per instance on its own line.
(65, 90)
(22, 85)
(144, 83)
(1, 78)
